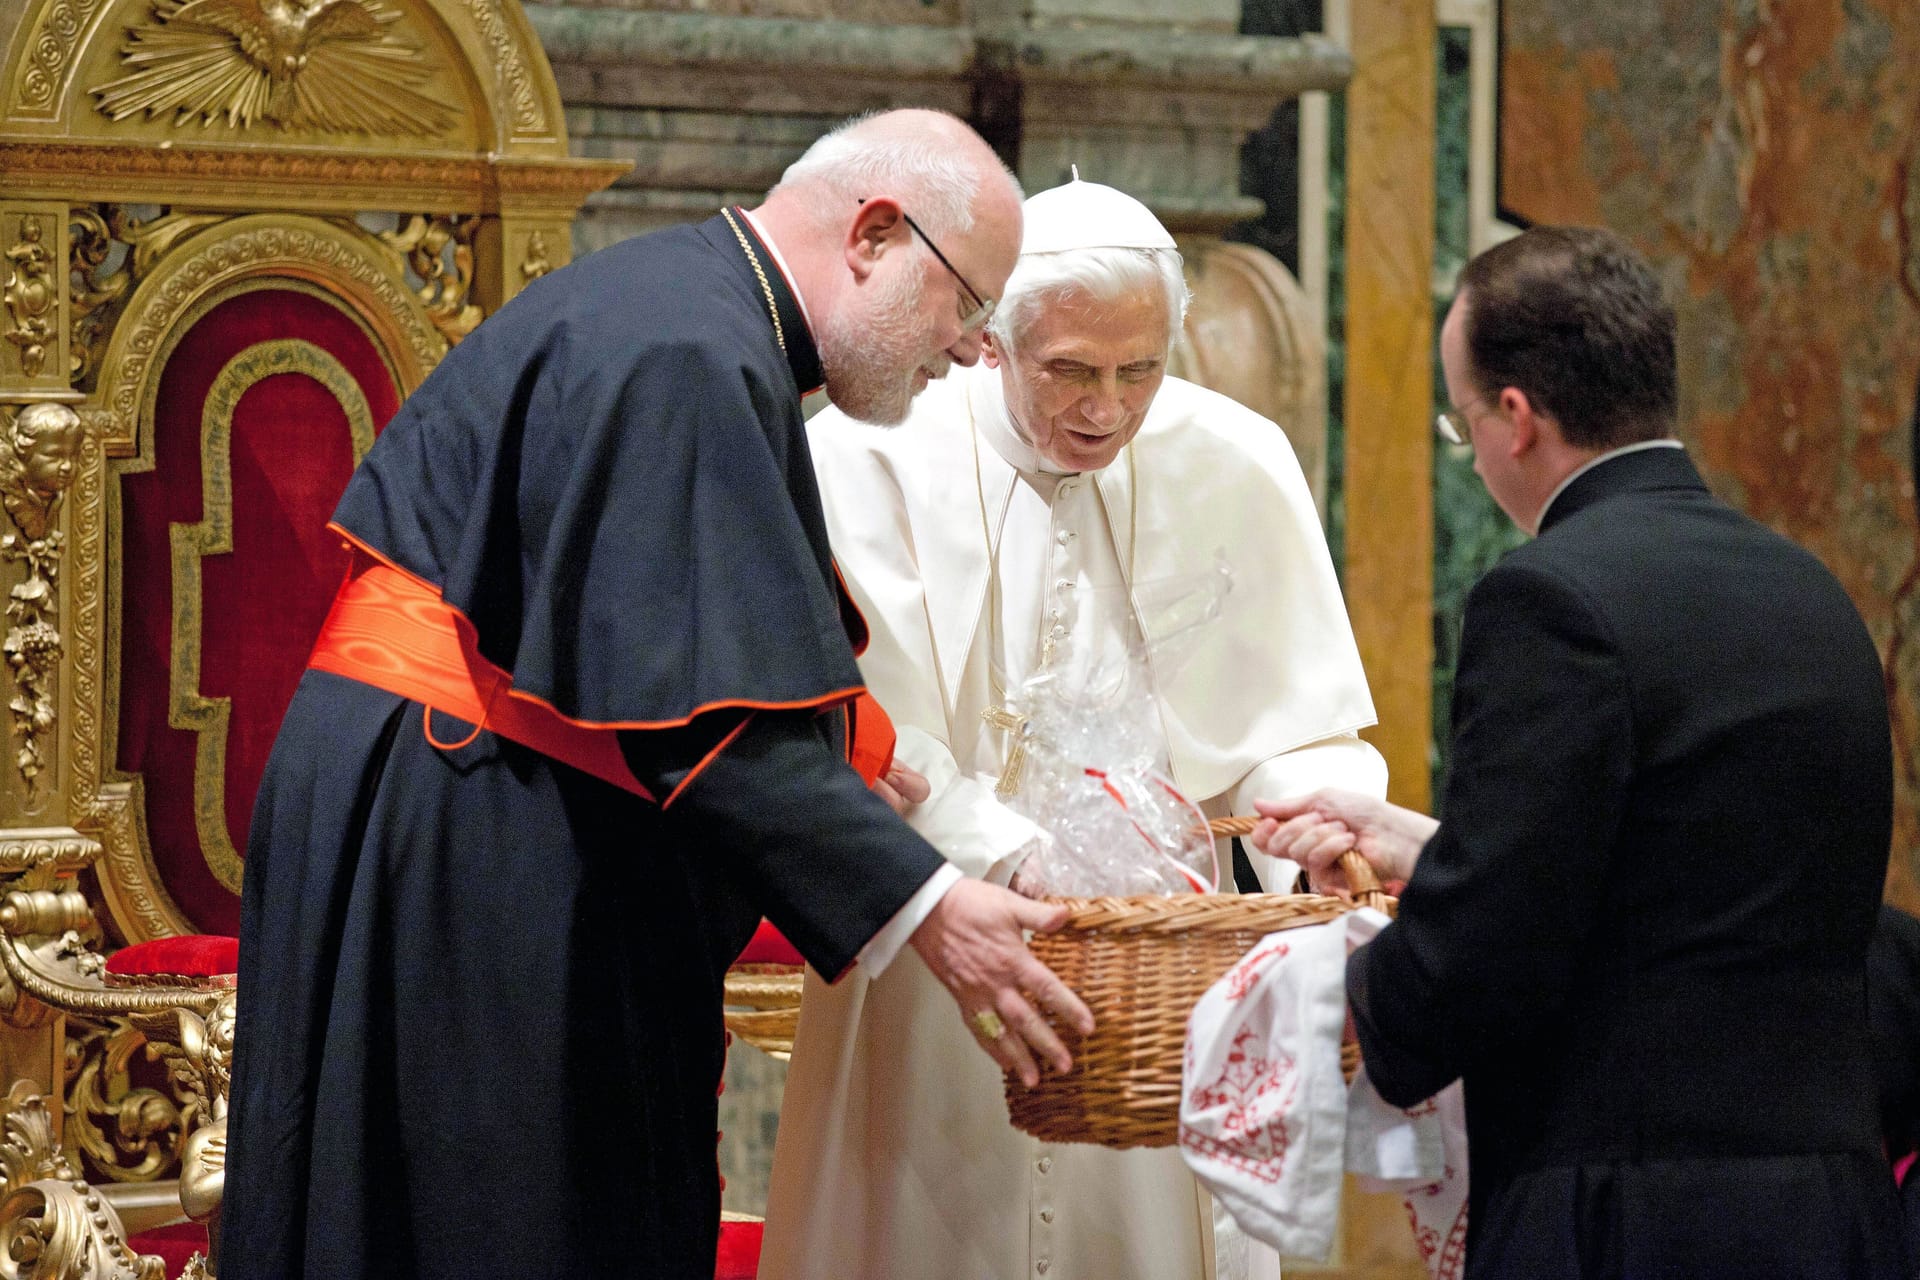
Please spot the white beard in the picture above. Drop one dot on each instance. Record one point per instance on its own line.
(869, 355)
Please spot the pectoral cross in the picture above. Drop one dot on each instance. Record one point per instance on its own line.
(1014, 725)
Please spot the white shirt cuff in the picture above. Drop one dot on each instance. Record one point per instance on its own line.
(883, 946)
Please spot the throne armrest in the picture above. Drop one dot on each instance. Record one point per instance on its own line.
(180, 993)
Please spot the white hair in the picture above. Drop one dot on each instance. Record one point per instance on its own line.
(1104, 275)
(936, 184)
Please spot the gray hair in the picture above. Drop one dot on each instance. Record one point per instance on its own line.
(1102, 274)
(848, 165)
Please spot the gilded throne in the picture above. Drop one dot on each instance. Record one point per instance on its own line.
(235, 234)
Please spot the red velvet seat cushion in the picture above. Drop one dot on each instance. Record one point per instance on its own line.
(739, 1257)
(769, 946)
(175, 1244)
(202, 958)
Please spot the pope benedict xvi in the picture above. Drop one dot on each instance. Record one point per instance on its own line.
(1007, 527)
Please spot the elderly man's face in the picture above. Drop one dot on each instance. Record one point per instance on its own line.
(1085, 373)
(907, 325)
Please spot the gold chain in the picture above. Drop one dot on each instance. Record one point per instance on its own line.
(753, 260)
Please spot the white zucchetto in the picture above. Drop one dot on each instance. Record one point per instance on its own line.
(1087, 215)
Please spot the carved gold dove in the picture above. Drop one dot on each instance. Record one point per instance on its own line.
(331, 65)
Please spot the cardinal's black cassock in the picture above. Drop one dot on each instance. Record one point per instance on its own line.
(480, 989)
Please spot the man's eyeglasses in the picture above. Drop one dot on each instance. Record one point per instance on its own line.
(976, 317)
(1452, 424)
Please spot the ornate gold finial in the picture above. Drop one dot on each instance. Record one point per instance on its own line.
(330, 65)
(43, 452)
(31, 296)
(536, 263)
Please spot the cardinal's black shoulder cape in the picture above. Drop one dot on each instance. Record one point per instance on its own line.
(479, 990)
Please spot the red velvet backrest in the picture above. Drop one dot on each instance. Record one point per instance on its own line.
(287, 377)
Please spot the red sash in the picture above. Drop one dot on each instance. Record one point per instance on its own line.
(390, 630)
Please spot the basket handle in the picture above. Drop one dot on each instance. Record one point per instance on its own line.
(1361, 879)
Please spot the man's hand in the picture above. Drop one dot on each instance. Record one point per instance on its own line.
(1314, 830)
(902, 788)
(1027, 886)
(972, 942)
(1024, 882)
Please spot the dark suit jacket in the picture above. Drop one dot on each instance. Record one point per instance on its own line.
(1639, 933)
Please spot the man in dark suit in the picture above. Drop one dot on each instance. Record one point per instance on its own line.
(1639, 935)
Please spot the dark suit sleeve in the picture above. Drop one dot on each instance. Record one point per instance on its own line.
(1492, 923)
(1893, 1017)
(818, 852)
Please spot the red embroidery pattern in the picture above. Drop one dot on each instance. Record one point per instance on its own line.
(1254, 1093)
(1451, 1261)
(1248, 971)
(1425, 1238)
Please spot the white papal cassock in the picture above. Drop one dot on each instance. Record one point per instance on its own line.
(895, 1159)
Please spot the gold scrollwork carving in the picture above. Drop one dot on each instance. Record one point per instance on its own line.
(440, 251)
(94, 290)
(254, 246)
(536, 263)
(44, 444)
(31, 295)
(53, 1224)
(22, 852)
(89, 509)
(51, 50)
(123, 1133)
(213, 535)
(330, 65)
(509, 67)
(154, 240)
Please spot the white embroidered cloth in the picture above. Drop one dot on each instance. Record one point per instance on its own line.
(1268, 1125)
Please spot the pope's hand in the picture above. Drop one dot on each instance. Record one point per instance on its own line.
(1314, 830)
(1027, 886)
(902, 788)
(972, 942)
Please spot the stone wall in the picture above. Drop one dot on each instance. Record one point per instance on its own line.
(1766, 154)
(710, 101)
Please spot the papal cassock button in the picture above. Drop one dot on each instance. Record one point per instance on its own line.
(1045, 1165)
(1063, 537)
(1046, 1214)
(1042, 1265)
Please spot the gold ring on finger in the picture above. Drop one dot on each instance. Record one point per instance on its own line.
(988, 1024)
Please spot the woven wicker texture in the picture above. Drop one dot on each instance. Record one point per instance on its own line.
(1140, 964)
(763, 1005)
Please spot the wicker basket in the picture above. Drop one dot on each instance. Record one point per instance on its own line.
(763, 1005)
(1141, 964)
